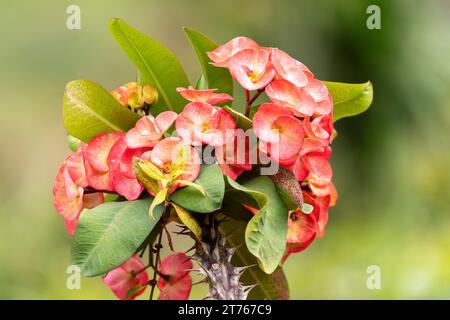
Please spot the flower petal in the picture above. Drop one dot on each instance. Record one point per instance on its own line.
(288, 95)
(288, 68)
(252, 68)
(222, 54)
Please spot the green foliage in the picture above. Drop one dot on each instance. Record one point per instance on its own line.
(155, 63)
(108, 235)
(350, 99)
(213, 185)
(272, 286)
(241, 120)
(89, 109)
(266, 232)
(214, 77)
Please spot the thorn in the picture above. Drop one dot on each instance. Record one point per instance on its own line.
(247, 289)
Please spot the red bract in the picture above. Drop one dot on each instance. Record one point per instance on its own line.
(69, 198)
(234, 158)
(129, 280)
(280, 133)
(288, 68)
(320, 127)
(201, 123)
(252, 68)
(222, 54)
(121, 170)
(287, 94)
(206, 96)
(149, 130)
(96, 156)
(90, 200)
(75, 166)
(304, 228)
(175, 282)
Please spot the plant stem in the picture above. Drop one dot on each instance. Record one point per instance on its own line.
(155, 265)
(158, 247)
(249, 101)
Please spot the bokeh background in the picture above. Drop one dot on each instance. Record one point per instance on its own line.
(391, 163)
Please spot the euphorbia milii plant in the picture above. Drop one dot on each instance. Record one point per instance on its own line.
(162, 160)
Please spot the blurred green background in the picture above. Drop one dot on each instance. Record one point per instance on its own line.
(391, 163)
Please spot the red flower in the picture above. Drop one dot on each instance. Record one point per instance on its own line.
(289, 69)
(234, 158)
(281, 133)
(148, 131)
(201, 123)
(96, 156)
(175, 282)
(222, 54)
(288, 95)
(128, 280)
(69, 197)
(252, 68)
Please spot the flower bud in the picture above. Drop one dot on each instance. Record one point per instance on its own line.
(150, 94)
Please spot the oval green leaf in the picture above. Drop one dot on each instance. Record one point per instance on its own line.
(350, 99)
(89, 109)
(266, 232)
(215, 78)
(268, 286)
(156, 65)
(108, 235)
(213, 185)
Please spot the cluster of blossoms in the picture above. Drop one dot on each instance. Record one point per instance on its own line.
(294, 130)
(131, 278)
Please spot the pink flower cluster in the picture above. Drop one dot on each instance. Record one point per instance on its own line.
(295, 129)
(105, 164)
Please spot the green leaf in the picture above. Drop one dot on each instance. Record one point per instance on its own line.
(156, 65)
(73, 142)
(350, 99)
(188, 220)
(266, 232)
(89, 109)
(241, 120)
(215, 78)
(108, 235)
(269, 286)
(211, 180)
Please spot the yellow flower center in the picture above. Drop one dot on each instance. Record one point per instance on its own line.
(253, 76)
(167, 168)
(205, 127)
